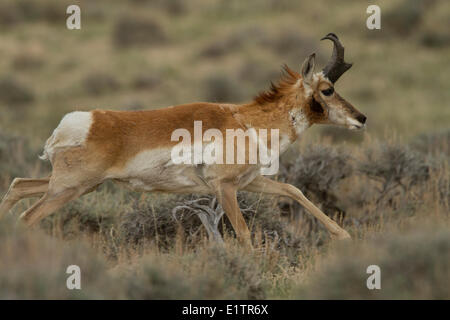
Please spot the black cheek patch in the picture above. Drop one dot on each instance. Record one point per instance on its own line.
(316, 107)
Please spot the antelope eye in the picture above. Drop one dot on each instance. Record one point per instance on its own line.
(328, 92)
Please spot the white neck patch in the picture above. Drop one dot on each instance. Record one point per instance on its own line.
(299, 121)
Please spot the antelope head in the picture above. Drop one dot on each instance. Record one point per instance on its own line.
(323, 104)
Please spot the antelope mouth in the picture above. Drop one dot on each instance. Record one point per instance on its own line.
(357, 126)
(354, 124)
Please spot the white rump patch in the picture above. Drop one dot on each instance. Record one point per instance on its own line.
(72, 131)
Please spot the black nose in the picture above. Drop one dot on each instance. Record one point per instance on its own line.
(361, 118)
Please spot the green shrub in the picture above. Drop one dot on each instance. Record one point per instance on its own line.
(14, 93)
(163, 220)
(396, 167)
(318, 171)
(290, 42)
(25, 11)
(232, 42)
(16, 158)
(145, 81)
(132, 31)
(27, 61)
(209, 273)
(433, 143)
(10, 15)
(100, 83)
(221, 88)
(413, 266)
(436, 39)
(154, 222)
(404, 18)
(34, 266)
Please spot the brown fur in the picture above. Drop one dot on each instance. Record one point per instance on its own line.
(120, 135)
(115, 137)
(278, 90)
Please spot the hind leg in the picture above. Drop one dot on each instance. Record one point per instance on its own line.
(61, 190)
(22, 188)
(76, 171)
(50, 202)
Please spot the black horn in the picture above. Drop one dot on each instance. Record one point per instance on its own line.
(337, 66)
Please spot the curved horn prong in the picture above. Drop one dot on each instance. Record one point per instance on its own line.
(337, 66)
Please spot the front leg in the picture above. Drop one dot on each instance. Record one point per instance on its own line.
(265, 185)
(227, 197)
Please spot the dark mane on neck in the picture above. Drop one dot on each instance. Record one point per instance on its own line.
(276, 90)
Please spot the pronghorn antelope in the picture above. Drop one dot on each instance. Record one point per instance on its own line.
(133, 147)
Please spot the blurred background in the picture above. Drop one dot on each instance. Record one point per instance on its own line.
(145, 54)
(389, 186)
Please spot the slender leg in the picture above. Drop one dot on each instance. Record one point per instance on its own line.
(265, 185)
(23, 188)
(226, 194)
(49, 203)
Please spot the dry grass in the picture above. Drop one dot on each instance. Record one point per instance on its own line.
(390, 190)
(414, 265)
(142, 248)
(226, 50)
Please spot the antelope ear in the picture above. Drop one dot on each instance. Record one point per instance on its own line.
(308, 68)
